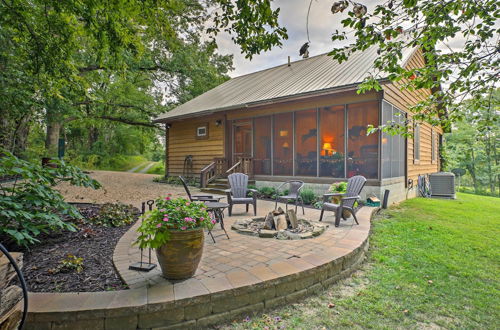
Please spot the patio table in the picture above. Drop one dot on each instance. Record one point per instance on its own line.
(217, 209)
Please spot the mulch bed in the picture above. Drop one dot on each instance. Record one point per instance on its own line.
(95, 244)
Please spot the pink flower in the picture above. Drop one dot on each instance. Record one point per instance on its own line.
(158, 225)
(187, 219)
(202, 218)
(214, 221)
(187, 204)
(183, 228)
(165, 219)
(167, 198)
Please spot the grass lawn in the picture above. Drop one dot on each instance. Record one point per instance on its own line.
(432, 263)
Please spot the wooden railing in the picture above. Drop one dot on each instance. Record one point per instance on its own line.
(243, 165)
(212, 171)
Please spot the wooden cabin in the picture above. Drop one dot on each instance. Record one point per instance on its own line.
(303, 120)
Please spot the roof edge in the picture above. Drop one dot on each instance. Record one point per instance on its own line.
(299, 96)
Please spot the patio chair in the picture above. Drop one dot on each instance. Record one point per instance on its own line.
(237, 194)
(198, 197)
(347, 201)
(294, 187)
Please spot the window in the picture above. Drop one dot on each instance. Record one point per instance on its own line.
(283, 144)
(306, 143)
(433, 146)
(416, 143)
(393, 146)
(362, 149)
(331, 144)
(202, 132)
(262, 143)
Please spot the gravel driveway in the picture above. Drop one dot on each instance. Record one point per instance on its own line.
(125, 187)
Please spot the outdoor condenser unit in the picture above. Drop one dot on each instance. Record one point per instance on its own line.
(442, 184)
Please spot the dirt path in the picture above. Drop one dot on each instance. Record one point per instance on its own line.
(147, 167)
(125, 187)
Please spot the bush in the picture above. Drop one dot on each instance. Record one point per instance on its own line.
(114, 215)
(308, 196)
(30, 205)
(340, 187)
(267, 192)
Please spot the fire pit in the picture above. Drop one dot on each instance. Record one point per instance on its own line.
(280, 225)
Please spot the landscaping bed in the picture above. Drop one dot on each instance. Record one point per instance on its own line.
(79, 261)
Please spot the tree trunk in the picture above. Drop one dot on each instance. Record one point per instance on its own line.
(52, 137)
(472, 170)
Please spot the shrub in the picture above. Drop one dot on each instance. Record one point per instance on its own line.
(267, 192)
(340, 187)
(171, 214)
(308, 196)
(30, 205)
(114, 215)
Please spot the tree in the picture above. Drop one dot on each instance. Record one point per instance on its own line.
(473, 142)
(468, 73)
(59, 56)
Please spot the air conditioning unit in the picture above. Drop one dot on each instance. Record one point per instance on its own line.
(442, 184)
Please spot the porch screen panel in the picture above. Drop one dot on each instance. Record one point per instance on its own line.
(331, 144)
(386, 140)
(306, 143)
(262, 145)
(362, 149)
(283, 144)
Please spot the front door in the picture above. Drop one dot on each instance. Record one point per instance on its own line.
(242, 140)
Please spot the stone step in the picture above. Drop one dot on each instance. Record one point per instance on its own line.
(218, 185)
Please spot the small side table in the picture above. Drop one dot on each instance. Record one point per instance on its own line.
(217, 208)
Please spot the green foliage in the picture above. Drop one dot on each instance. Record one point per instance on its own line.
(467, 71)
(267, 192)
(171, 214)
(308, 196)
(30, 205)
(114, 215)
(158, 168)
(473, 145)
(428, 259)
(68, 264)
(338, 187)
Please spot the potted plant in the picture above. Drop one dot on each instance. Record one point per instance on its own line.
(175, 230)
(339, 187)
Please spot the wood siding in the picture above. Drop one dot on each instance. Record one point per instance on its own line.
(182, 142)
(404, 99)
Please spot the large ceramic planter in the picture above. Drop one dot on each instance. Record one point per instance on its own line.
(180, 256)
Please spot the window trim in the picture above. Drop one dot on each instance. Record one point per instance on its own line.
(433, 146)
(416, 143)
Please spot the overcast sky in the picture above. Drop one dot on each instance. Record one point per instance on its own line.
(322, 23)
(293, 14)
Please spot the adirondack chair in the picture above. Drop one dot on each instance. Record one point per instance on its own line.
(294, 187)
(354, 187)
(198, 197)
(237, 194)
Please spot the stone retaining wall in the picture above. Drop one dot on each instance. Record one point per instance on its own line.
(156, 308)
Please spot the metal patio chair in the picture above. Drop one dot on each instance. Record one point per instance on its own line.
(348, 199)
(294, 187)
(198, 197)
(237, 194)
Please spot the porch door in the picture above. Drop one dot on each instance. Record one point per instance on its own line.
(242, 140)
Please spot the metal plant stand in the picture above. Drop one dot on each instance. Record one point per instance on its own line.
(141, 265)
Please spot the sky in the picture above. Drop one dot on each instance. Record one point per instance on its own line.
(293, 14)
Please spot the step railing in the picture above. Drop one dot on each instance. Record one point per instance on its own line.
(212, 171)
(243, 165)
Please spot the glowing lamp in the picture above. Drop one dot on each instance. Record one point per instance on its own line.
(284, 133)
(286, 145)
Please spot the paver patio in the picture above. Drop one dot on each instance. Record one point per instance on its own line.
(236, 277)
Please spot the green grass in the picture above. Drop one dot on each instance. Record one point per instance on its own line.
(157, 168)
(432, 263)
